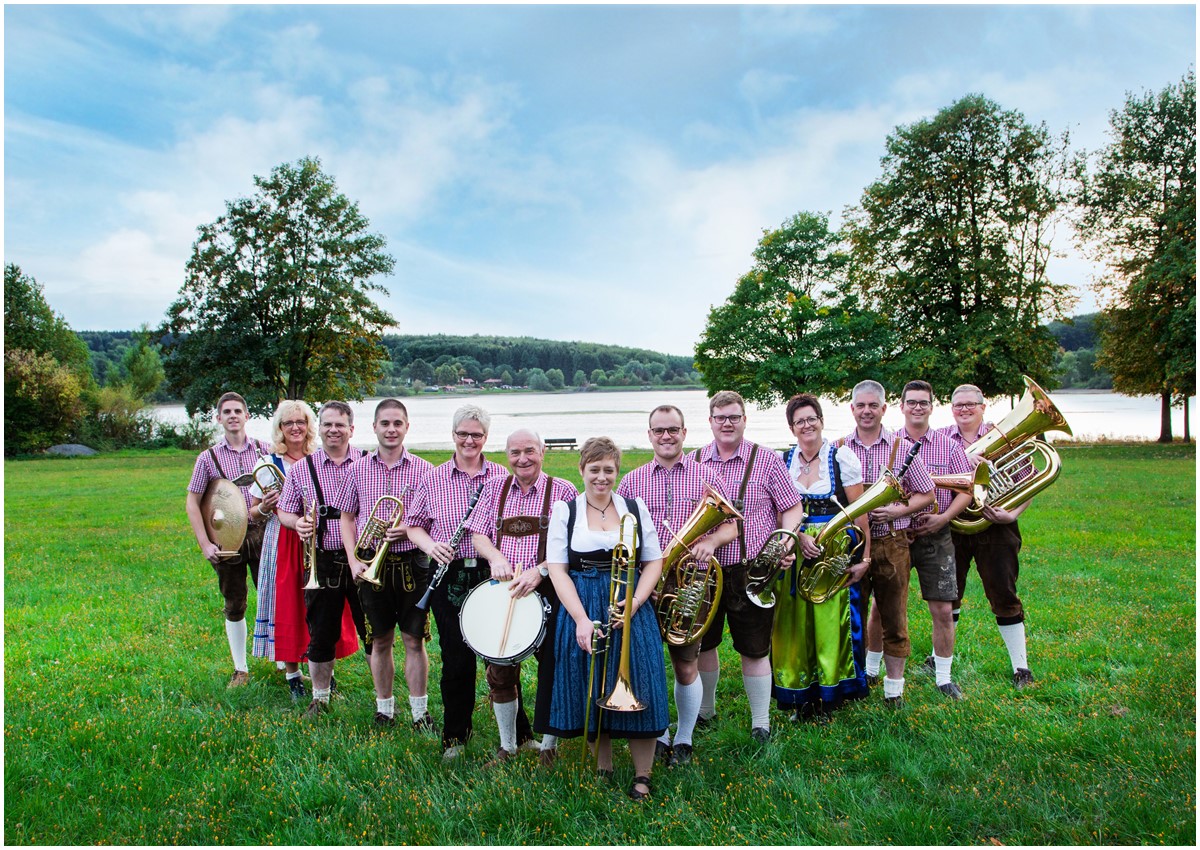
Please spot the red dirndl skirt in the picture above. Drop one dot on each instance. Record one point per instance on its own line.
(291, 629)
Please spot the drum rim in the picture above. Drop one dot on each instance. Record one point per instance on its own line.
(516, 658)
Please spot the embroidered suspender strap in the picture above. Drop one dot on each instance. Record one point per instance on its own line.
(312, 469)
(500, 509)
(740, 504)
(544, 524)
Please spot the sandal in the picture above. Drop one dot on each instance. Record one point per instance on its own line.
(603, 775)
(634, 793)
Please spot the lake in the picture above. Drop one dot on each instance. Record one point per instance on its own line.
(1092, 414)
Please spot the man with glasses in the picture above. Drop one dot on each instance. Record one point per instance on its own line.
(671, 485)
(437, 511)
(758, 483)
(995, 550)
(931, 549)
(888, 576)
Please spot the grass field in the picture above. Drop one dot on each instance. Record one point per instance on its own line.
(118, 727)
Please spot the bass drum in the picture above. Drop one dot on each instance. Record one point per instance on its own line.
(482, 621)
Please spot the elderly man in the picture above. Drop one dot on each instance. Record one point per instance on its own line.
(995, 550)
(671, 485)
(508, 529)
(887, 577)
(234, 455)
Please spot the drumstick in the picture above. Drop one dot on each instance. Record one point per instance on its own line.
(512, 600)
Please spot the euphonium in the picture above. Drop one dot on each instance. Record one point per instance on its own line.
(768, 564)
(689, 591)
(1011, 446)
(310, 553)
(829, 573)
(372, 537)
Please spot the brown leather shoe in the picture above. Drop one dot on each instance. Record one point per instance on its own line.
(502, 755)
(546, 758)
(240, 678)
(315, 709)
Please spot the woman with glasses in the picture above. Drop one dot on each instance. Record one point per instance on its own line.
(817, 650)
(280, 633)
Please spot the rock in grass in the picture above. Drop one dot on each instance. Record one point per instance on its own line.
(71, 450)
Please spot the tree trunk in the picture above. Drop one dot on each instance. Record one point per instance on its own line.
(1187, 421)
(1164, 435)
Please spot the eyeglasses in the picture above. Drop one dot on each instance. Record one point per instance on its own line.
(806, 421)
(866, 405)
(732, 419)
(967, 405)
(918, 405)
(469, 435)
(293, 423)
(673, 431)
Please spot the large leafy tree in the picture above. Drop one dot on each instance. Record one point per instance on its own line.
(790, 326)
(951, 243)
(1138, 202)
(277, 300)
(31, 325)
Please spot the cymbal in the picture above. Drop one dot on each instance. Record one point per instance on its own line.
(225, 515)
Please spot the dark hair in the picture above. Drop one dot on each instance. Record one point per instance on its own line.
(390, 402)
(803, 400)
(340, 407)
(917, 386)
(231, 397)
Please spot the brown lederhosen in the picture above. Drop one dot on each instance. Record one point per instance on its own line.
(231, 572)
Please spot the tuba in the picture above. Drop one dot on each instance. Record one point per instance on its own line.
(689, 591)
(372, 537)
(1011, 447)
(829, 573)
(975, 484)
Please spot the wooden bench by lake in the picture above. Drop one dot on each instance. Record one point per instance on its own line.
(561, 443)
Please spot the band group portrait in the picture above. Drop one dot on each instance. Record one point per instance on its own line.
(600, 613)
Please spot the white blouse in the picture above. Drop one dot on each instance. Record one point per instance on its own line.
(848, 463)
(587, 540)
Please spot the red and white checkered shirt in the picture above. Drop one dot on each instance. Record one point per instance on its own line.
(516, 550)
(670, 494)
(769, 492)
(875, 457)
(299, 494)
(370, 478)
(233, 463)
(942, 456)
(441, 502)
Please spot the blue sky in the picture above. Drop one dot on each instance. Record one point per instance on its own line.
(600, 173)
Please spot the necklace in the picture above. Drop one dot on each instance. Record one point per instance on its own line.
(806, 462)
(593, 507)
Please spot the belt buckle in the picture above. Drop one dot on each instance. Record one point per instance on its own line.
(469, 563)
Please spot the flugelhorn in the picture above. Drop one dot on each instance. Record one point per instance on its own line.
(310, 552)
(1011, 447)
(689, 591)
(372, 538)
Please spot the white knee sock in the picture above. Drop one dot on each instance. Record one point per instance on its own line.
(941, 669)
(873, 660)
(549, 742)
(758, 692)
(236, 632)
(687, 703)
(321, 694)
(708, 699)
(506, 722)
(893, 687)
(1014, 639)
(386, 707)
(418, 706)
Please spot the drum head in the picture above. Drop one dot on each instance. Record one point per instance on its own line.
(225, 515)
(483, 617)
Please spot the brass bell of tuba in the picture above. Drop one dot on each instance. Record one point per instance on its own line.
(689, 591)
(974, 484)
(1012, 447)
(372, 538)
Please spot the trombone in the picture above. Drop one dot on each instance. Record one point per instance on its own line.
(622, 580)
(372, 538)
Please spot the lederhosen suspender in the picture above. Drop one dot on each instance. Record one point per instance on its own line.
(543, 521)
(740, 501)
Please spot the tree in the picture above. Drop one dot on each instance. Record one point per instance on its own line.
(790, 326)
(556, 378)
(30, 325)
(42, 401)
(276, 303)
(419, 370)
(536, 379)
(1138, 205)
(951, 243)
(142, 367)
(447, 374)
(579, 379)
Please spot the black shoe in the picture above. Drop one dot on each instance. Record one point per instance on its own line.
(705, 722)
(634, 793)
(662, 752)
(681, 754)
(383, 721)
(951, 690)
(872, 681)
(1022, 677)
(426, 724)
(760, 735)
(296, 686)
(894, 703)
(930, 666)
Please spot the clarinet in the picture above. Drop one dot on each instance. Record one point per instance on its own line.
(455, 538)
(908, 459)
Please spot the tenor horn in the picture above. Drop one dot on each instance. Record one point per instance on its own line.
(372, 538)
(689, 590)
(1022, 464)
(768, 564)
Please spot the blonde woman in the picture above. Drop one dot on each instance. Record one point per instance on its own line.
(280, 633)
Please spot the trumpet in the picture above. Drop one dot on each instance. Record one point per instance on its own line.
(372, 538)
(310, 553)
(689, 591)
(622, 581)
(768, 564)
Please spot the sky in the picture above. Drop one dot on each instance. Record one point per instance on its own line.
(596, 173)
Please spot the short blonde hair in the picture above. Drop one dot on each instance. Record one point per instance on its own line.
(598, 448)
(288, 407)
(725, 398)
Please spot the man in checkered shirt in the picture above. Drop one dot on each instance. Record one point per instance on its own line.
(234, 455)
(390, 470)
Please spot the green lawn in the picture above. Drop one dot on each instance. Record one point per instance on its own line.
(118, 727)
